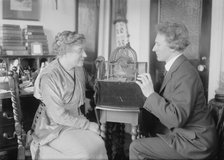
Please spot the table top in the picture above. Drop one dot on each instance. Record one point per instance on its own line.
(114, 108)
(4, 94)
(23, 92)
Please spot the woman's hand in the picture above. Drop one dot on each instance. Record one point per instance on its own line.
(145, 83)
(94, 127)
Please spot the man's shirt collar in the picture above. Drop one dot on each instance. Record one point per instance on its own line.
(171, 61)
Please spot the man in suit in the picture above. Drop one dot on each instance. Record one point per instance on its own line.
(188, 130)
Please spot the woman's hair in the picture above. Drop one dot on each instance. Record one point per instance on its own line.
(176, 35)
(67, 39)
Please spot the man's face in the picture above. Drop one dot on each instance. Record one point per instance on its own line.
(162, 49)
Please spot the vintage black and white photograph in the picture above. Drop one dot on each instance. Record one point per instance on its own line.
(111, 79)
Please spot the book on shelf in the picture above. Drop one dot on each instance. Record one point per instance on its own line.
(10, 27)
(40, 27)
(13, 37)
(10, 36)
(13, 52)
(6, 32)
(36, 37)
(11, 33)
(34, 33)
(35, 40)
(11, 40)
(14, 47)
(14, 43)
(33, 30)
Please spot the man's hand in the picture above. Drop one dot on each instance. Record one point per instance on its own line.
(94, 127)
(145, 83)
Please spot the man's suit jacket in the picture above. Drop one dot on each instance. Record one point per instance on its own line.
(181, 108)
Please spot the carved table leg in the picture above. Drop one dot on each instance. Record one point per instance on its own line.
(103, 130)
(134, 132)
(138, 133)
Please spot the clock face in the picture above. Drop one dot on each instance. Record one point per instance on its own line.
(121, 34)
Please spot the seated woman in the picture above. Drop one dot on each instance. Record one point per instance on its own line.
(62, 131)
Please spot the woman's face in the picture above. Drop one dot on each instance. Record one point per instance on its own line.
(76, 55)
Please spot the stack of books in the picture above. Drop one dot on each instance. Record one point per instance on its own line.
(11, 40)
(35, 34)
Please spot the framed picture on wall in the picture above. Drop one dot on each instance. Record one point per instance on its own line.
(21, 9)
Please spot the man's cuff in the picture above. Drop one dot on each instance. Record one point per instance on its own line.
(151, 101)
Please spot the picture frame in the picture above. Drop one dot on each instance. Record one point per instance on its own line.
(36, 48)
(21, 10)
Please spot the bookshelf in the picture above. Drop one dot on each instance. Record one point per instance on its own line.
(33, 61)
(27, 67)
(24, 48)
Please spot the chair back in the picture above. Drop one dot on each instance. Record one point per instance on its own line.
(40, 109)
(29, 138)
(17, 112)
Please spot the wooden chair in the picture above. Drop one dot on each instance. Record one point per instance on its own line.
(28, 139)
(23, 139)
(17, 113)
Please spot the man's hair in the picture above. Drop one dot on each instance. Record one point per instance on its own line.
(176, 35)
(67, 39)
